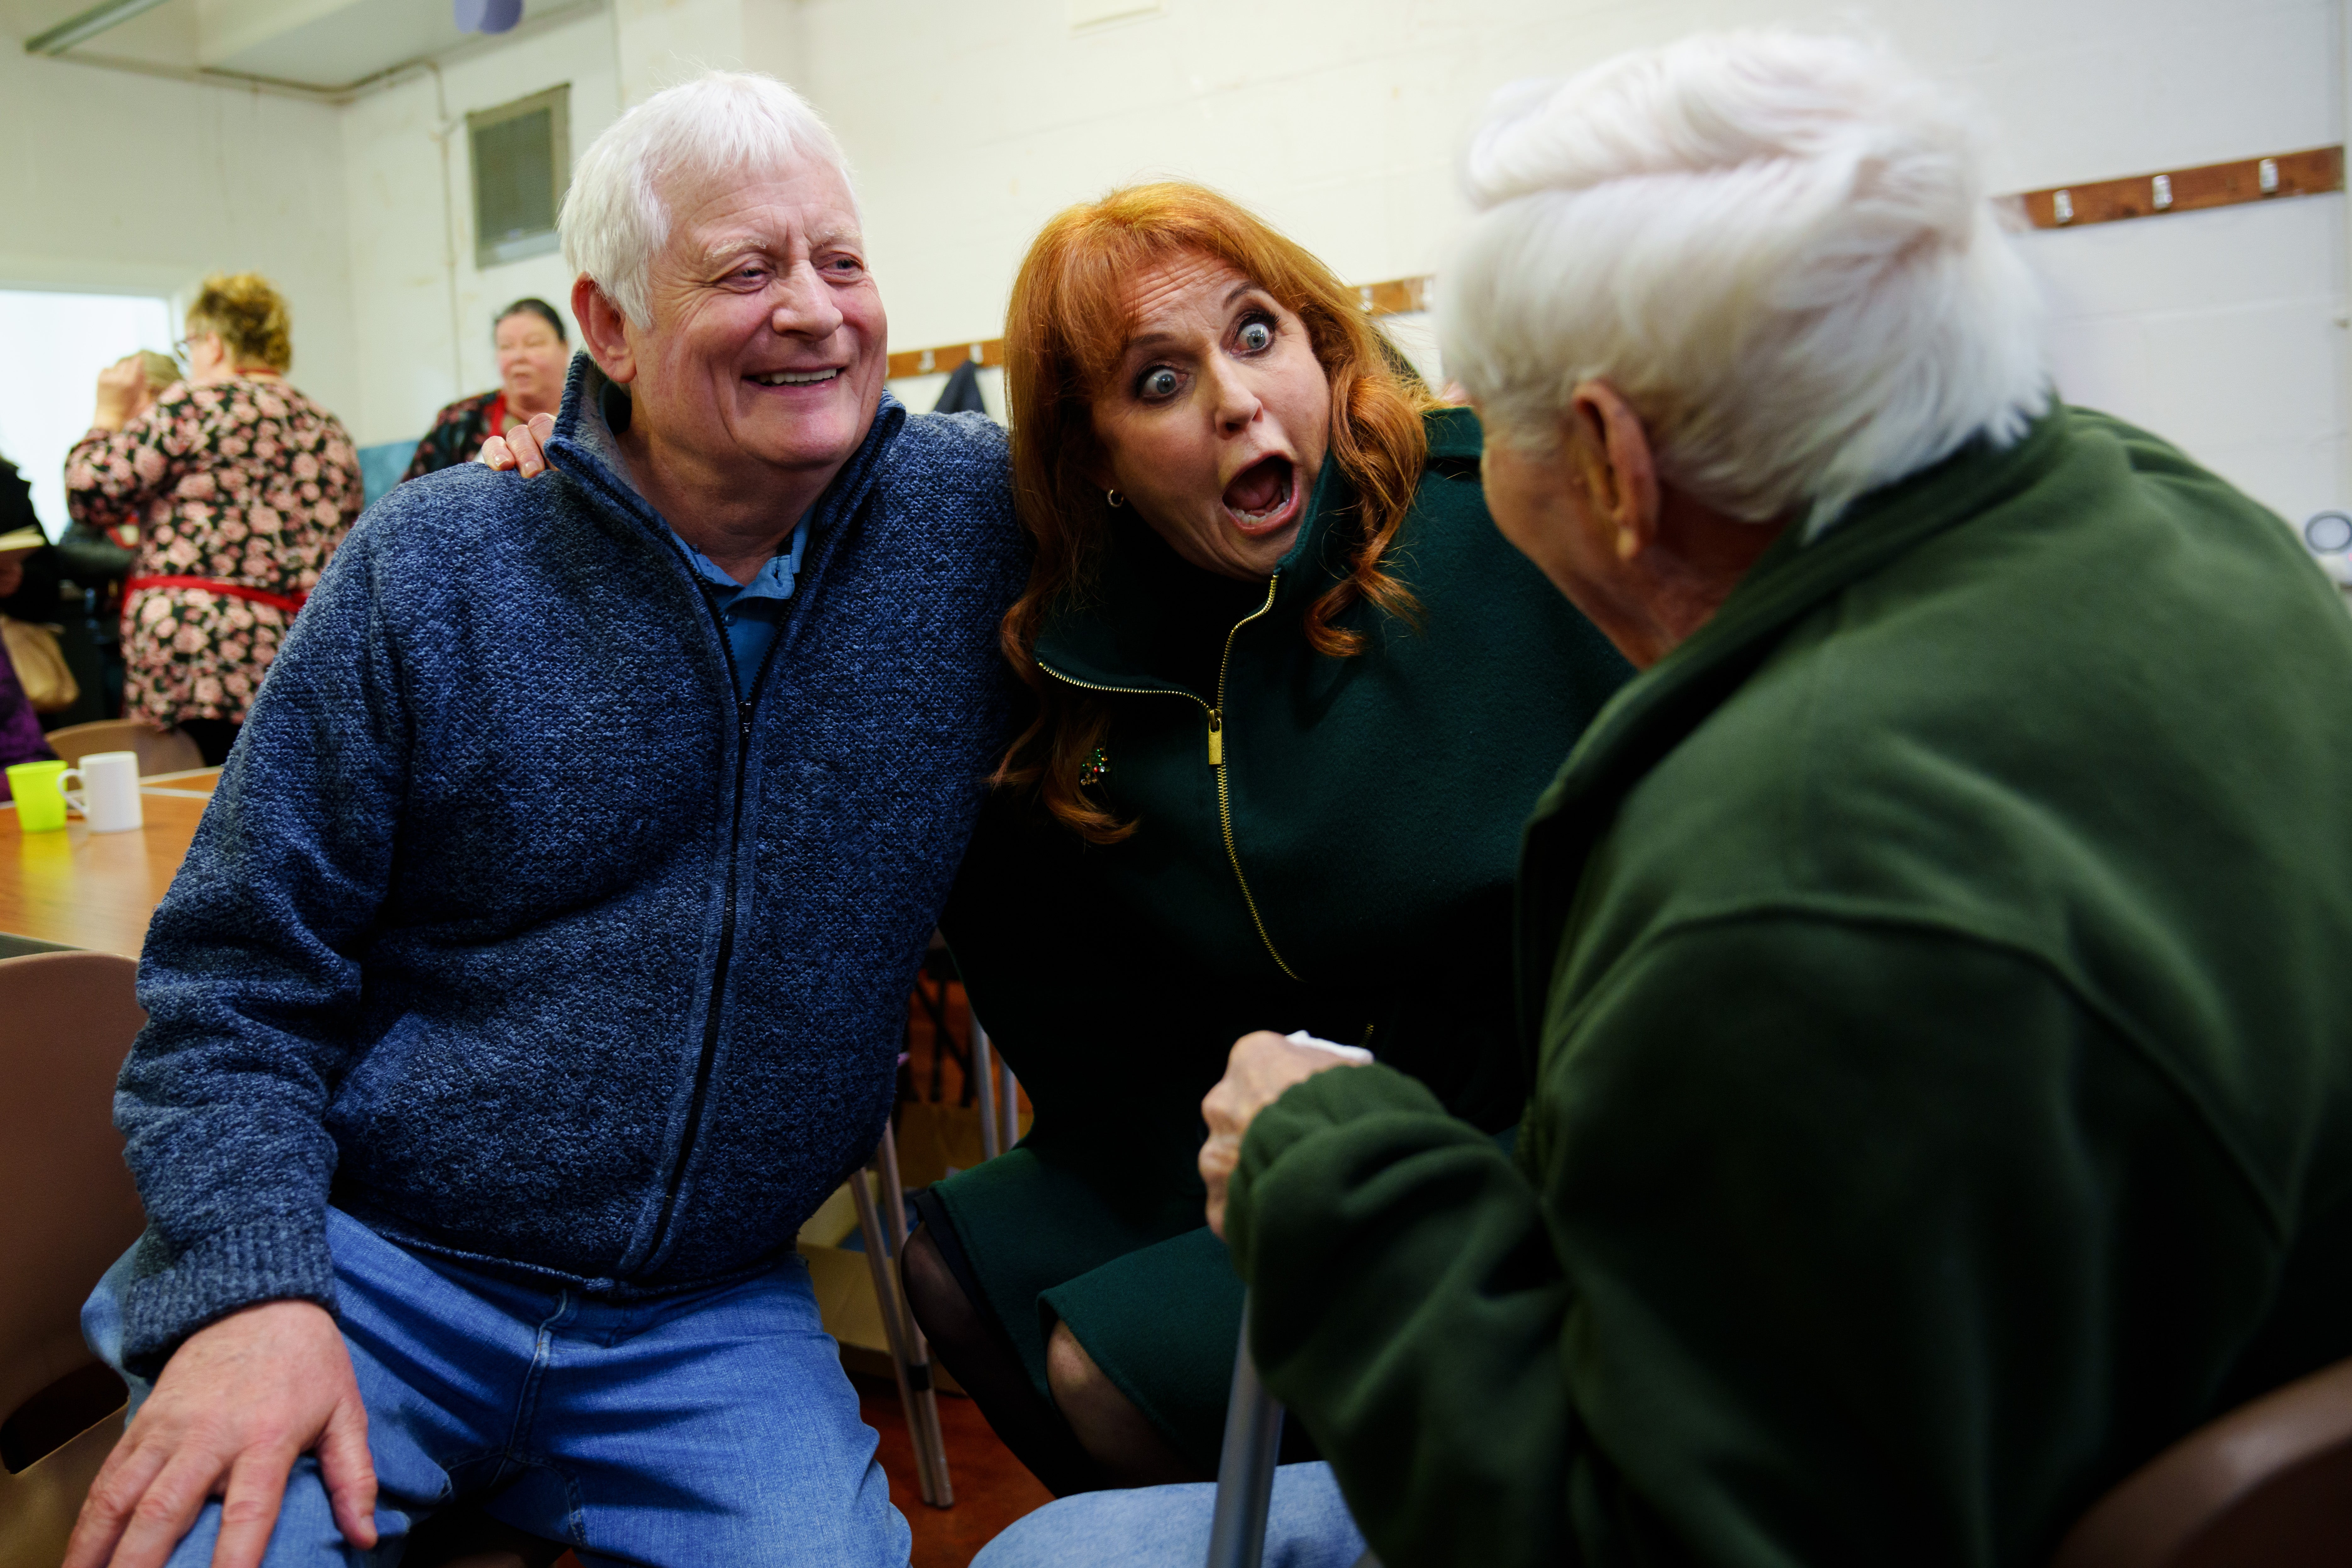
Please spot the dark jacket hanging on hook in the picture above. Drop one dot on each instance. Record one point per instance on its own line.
(961, 394)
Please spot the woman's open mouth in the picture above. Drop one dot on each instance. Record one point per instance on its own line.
(1265, 496)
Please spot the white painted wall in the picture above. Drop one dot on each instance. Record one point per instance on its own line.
(71, 337)
(421, 310)
(970, 124)
(660, 43)
(122, 184)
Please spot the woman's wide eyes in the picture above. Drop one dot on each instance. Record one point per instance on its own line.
(1161, 383)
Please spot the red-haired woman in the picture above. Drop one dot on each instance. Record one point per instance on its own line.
(1294, 697)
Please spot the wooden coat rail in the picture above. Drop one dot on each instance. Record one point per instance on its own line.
(2314, 172)
(1397, 297)
(927, 361)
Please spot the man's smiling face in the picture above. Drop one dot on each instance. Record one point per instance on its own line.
(767, 346)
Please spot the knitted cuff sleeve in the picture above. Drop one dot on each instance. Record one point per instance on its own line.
(171, 1297)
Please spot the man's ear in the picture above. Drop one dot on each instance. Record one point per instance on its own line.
(1622, 470)
(603, 330)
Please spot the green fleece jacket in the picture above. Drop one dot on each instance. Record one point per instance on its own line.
(1934, 972)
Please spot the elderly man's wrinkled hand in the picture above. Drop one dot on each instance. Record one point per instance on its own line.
(1260, 1067)
(524, 447)
(236, 1406)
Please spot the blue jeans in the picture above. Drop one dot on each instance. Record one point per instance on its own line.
(1307, 1526)
(710, 1427)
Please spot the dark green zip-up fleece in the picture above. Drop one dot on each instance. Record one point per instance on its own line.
(1942, 1045)
(1346, 868)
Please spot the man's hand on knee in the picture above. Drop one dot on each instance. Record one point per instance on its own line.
(237, 1405)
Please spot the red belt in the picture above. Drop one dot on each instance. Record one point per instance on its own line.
(287, 603)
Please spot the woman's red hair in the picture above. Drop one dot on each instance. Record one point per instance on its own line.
(1066, 331)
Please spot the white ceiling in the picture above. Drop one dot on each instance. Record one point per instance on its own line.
(323, 44)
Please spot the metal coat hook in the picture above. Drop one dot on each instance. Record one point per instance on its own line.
(2162, 187)
(923, 366)
(2266, 175)
(2062, 206)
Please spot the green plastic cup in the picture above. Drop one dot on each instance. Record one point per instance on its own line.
(39, 807)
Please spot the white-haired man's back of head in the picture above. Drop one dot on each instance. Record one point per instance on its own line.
(1775, 246)
(614, 219)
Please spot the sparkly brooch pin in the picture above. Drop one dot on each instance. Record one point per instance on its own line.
(1092, 770)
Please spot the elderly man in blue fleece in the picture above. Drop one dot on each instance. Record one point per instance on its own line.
(542, 961)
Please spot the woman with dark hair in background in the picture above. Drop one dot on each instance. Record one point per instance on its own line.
(533, 351)
(240, 488)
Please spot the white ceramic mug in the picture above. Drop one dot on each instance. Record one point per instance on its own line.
(110, 792)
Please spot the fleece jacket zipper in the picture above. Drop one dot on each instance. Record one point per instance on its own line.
(674, 1180)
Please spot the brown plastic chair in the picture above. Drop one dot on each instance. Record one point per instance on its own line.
(2267, 1486)
(67, 1020)
(160, 751)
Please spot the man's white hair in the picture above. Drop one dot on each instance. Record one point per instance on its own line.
(722, 122)
(1775, 246)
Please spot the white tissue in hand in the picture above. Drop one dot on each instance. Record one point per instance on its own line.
(1353, 1053)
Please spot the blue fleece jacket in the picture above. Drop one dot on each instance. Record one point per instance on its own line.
(513, 932)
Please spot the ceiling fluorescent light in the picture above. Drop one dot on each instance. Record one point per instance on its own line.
(89, 24)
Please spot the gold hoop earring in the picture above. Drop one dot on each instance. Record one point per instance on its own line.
(1114, 498)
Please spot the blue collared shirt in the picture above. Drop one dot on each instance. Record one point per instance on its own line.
(750, 611)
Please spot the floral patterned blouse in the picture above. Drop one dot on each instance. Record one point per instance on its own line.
(246, 484)
(458, 432)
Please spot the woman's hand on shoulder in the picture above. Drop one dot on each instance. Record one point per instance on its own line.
(524, 447)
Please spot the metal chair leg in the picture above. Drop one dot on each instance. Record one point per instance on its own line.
(1246, 1466)
(1009, 1119)
(926, 1430)
(914, 1377)
(983, 1071)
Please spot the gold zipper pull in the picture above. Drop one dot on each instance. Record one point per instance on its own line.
(1216, 739)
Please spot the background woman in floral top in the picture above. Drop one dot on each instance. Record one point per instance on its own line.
(240, 488)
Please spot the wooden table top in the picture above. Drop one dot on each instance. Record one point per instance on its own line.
(98, 890)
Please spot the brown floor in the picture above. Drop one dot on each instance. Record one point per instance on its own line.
(992, 1489)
